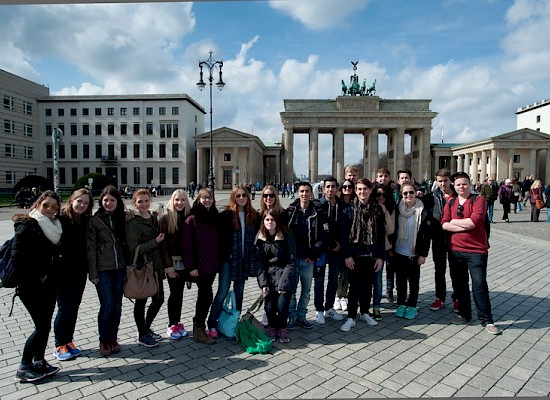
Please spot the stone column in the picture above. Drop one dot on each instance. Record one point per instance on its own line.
(288, 158)
(493, 165)
(338, 153)
(425, 153)
(533, 163)
(474, 173)
(370, 153)
(483, 173)
(399, 152)
(200, 169)
(510, 163)
(452, 164)
(466, 166)
(313, 154)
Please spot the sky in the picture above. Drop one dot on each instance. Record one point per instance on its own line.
(477, 60)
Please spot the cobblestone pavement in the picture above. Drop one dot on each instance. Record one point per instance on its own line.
(425, 357)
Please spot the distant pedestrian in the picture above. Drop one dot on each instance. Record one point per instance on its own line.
(535, 193)
(505, 196)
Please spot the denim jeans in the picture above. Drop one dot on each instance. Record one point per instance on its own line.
(548, 214)
(69, 297)
(462, 263)
(305, 277)
(334, 264)
(223, 289)
(110, 289)
(377, 288)
(491, 209)
(390, 277)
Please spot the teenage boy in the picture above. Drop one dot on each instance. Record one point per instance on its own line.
(309, 226)
(443, 192)
(332, 207)
(468, 252)
(350, 172)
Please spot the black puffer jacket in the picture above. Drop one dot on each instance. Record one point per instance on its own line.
(276, 258)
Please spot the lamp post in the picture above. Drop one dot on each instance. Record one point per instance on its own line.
(210, 64)
(57, 135)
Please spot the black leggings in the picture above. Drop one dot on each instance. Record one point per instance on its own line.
(144, 323)
(175, 300)
(39, 300)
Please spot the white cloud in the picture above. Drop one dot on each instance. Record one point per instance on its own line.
(319, 14)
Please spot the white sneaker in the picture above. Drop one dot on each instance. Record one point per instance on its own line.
(368, 319)
(319, 318)
(331, 313)
(265, 322)
(344, 304)
(346, 326)
(337, 305)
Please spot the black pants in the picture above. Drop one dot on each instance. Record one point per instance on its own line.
(69, 297)
(175, 300)
(276, 307)
(39, 300)
(361, 279)
(506, 208)
(407, 272)
(144, 322)
(204, 299)
(440, 253)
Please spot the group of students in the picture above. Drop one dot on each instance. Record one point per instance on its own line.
(354, 229)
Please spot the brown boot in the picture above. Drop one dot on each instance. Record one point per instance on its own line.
(114, 346)
(200, 335)
(104, 348)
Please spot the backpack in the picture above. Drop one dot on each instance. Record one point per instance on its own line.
(8, 277)
(486, 221)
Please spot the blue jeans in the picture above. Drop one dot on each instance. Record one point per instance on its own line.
(305, 276)
(110, 289)
(334, 264)
(462, 263)
(377, 288)
(490, 209)
(548, 214)
(223, 289)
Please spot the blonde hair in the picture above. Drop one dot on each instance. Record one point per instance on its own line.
(171, 214)
(276, 206)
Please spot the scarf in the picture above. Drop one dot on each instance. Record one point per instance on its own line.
(404, 214)
(243, 265)
(363, 228)
(52, 229)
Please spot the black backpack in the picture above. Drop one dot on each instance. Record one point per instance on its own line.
(7, 273)
(486, 221)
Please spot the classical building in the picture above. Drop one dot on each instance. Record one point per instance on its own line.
(369, 116)
(239, 158)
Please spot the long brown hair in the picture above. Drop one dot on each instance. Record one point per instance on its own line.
(279, 226)
(276, 206)
(68, 209)
(250, 214)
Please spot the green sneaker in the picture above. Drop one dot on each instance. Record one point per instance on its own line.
(400, 312)
(411, 313)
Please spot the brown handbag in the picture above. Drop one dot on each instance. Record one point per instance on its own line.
(539, 204)
(141, 282)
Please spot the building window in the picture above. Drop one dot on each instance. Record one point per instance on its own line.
(123, 111)
(61, 151)
(111, 129)
(137, 174)
(85, 130)
(62, 177)
(168, 130)
(98, 170)
(73, 129)
(162, 130)
(175, 176)
(49, 151)
(73, 112)
(98, 111)
(538, 119)
(98, 151)
(111, 151)
(10, 150)
(85, 170)
(27, 130)
(123, 129)
(27, 108)
(175, 150)
(48, 112)
(98, 130)
(196, 118)
(60, 112)
(110, 111)
(149, 111)
(136, 150)
(61, 127)
(149, 150)
(149, 128)
(123, 150)
(74, 175)
(136, 129)
(74, 151)
(9, 127)
(29, 152)
(162, 176)
(136, 110)
(149, 173)
(124, 175)
(162, 110)
(175, 130)
(162, 150)
(8, 103)
(85, 111)
(85, 151)
(10, 178)
(48, 130)
(517, 159)
(175, 110)
(227, 177)
(227, 157)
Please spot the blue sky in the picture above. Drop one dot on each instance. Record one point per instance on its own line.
(477, 60)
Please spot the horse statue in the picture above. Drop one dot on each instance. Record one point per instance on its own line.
(354, 88)
(364, 88)
(344, 88)
(371, 91)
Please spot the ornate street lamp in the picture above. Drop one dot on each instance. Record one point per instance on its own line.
(211, 64)
(57, 136)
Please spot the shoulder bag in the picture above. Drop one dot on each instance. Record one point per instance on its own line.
(141, 282)
(229, 318)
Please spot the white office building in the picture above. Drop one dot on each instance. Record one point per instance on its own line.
(535, 116)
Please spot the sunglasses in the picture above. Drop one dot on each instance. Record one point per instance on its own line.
(347, 186)
(46, 206)
(460, 211)
(240, 195)
(270, 195)
(378, 194)
(409, 193)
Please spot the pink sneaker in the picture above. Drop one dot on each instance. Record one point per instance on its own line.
(213, 333)
(182, 330)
